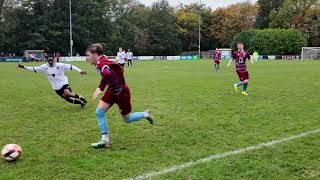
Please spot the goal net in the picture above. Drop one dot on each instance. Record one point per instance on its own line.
(310, 53)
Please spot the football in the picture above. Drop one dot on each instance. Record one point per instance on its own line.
(11, 152)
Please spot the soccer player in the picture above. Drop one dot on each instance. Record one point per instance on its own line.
(117, 93)
(58, 80)
(216, 59)
(129, 57)
(121, 56)
(240, 57)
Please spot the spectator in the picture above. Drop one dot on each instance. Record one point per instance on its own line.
(58, 56)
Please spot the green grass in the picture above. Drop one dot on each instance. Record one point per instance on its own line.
(197, 115)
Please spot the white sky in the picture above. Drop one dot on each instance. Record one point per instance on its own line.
(210, 3)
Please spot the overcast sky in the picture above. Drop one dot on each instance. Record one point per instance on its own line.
(211, 3)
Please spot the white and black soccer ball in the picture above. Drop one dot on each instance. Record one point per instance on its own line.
(11, 152)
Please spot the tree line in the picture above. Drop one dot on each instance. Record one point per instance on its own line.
(156, 30)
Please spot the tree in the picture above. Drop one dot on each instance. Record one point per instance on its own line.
(244, 37)
(265, 8)
(227, 22)
(278, 41)
(187, 20)
(163, 30)
(301, 15)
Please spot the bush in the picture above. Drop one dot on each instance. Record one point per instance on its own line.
(272, 41)
(245, 38)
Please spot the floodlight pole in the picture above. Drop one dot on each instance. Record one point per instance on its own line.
(199, 45)
(70, 22)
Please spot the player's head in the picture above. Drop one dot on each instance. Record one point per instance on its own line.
(51, 61)
(120, 49)
(240, 46)
(128, 50)
(93, 52)
(217, 49)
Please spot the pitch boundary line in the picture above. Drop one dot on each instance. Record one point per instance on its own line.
(223, 155)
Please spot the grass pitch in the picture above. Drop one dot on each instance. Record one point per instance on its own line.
(197, 115)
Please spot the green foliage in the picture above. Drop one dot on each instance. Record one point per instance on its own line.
(265, 8)
(301, 15)
(227, 22)
(244, 37)
(278, 41)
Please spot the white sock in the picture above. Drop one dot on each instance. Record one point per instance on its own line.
(145, 114)
(105, 137)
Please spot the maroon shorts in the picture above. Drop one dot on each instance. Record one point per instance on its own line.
(122, 100)
(216, 62)
(243, 74)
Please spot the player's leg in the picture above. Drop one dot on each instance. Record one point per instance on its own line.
(124, 103)
(60, 92)
(245, 85)
(70, 93)
(130, 62)
(101, 110)
(241, 82)
(214, 65)
(73, 97)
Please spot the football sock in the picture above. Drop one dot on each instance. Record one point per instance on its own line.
(72, 100)
(76, 95)
(102, 120)
(240, 83)
(245, 86)
(136, 116)
(105, 137)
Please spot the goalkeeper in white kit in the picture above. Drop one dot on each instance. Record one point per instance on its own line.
(58, 80)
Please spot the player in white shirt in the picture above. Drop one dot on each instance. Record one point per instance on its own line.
(129, 57)
(121, 56)
(58, 80)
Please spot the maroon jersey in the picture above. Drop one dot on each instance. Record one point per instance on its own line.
(241, 57)
(216, 55)
(112, 75)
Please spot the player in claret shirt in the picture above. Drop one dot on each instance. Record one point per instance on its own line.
(58, 80)
(117, 93)
(216, 59)
(240, 57)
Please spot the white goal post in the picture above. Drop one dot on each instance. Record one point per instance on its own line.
(310, 53)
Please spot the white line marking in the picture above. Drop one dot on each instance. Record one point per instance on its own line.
(219, 156)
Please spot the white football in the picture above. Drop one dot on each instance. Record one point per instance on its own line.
(11, 152)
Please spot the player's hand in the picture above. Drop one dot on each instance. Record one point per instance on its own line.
(83, 72)
(20, 66)
(96, 94)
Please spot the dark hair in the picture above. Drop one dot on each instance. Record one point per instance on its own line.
(240, 43)
(50, 59)
(95, 48)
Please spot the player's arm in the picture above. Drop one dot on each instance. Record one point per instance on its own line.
(102, 85)
(70, 67)
(229, 63)
(34, 69)
(251, 58)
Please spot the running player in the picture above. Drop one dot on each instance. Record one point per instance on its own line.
(240, 57)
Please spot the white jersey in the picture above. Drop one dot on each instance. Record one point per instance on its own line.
(55, 74)
(129, 55)
(121, 56)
